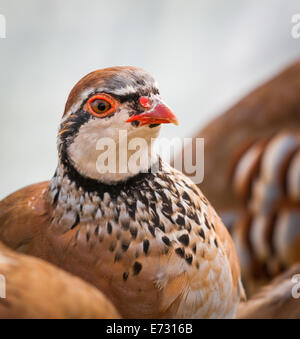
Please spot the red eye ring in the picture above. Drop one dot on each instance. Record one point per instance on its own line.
(104, 97)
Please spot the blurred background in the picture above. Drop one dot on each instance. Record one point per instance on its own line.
(205, 54)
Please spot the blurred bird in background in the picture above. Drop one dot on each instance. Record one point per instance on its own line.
(252, 176)
(37, 289)
(277, 300)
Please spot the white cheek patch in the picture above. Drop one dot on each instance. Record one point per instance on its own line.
(84, 151)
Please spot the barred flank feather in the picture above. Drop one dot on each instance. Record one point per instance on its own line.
(266, 177)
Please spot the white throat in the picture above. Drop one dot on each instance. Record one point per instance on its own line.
(116, 155)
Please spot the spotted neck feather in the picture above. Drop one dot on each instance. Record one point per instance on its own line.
(164, 202)
(78, 199)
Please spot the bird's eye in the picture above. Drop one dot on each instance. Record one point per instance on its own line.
(101, 105)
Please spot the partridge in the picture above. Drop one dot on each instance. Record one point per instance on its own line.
(251, 175)
(147, 237)
(33, 288)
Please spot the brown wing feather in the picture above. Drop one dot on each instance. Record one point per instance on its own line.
(21, 215)
(36, 289)
(274, 301)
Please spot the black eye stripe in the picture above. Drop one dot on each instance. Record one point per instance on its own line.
(72, 125)
(128, 97)
(135, 96)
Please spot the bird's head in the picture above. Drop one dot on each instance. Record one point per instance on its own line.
(113, 107)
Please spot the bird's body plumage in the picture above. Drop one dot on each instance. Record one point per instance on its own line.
(155, 247)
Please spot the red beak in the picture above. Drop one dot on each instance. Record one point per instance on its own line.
(160, 114)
